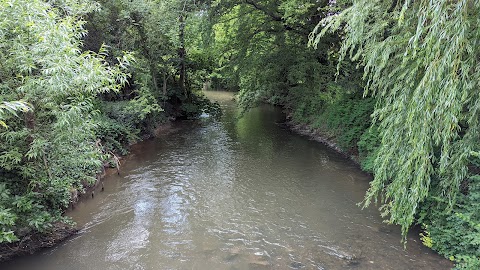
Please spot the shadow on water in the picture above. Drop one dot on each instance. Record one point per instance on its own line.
(237, 193)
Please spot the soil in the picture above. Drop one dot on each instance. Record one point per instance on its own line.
(322, 137)
(34, 242)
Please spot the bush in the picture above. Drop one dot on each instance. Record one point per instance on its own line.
(199, 104)
(115, 135)
(350, 118)
(121, 123)
(368, 147)
(455, 234)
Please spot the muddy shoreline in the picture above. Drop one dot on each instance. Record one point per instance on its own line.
(32, 243)
(321, 136)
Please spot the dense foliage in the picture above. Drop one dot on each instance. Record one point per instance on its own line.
(46, 153)
(456, 233)
(260, 50)
(81, 80)
(420, 61)
(82, 98)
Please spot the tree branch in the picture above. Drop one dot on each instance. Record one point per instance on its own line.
(277, 18)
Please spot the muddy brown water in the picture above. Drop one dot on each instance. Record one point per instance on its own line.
(234, 193)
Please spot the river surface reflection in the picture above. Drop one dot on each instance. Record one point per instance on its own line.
(234, 193)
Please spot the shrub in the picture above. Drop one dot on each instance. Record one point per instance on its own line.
(368, 147)
(455, 234)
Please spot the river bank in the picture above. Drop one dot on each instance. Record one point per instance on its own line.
(323, 137)
(61, 231)
(34, 242)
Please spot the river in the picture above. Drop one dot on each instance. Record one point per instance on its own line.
(233, 193)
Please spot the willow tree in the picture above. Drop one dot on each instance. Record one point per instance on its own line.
(421, 62)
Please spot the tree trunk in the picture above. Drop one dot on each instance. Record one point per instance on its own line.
(164, 88)
(146, 51)
(182, 56)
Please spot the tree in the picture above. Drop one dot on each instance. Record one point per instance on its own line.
(51, 150)
(157, 32)
(420, 61)
(261, 47)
